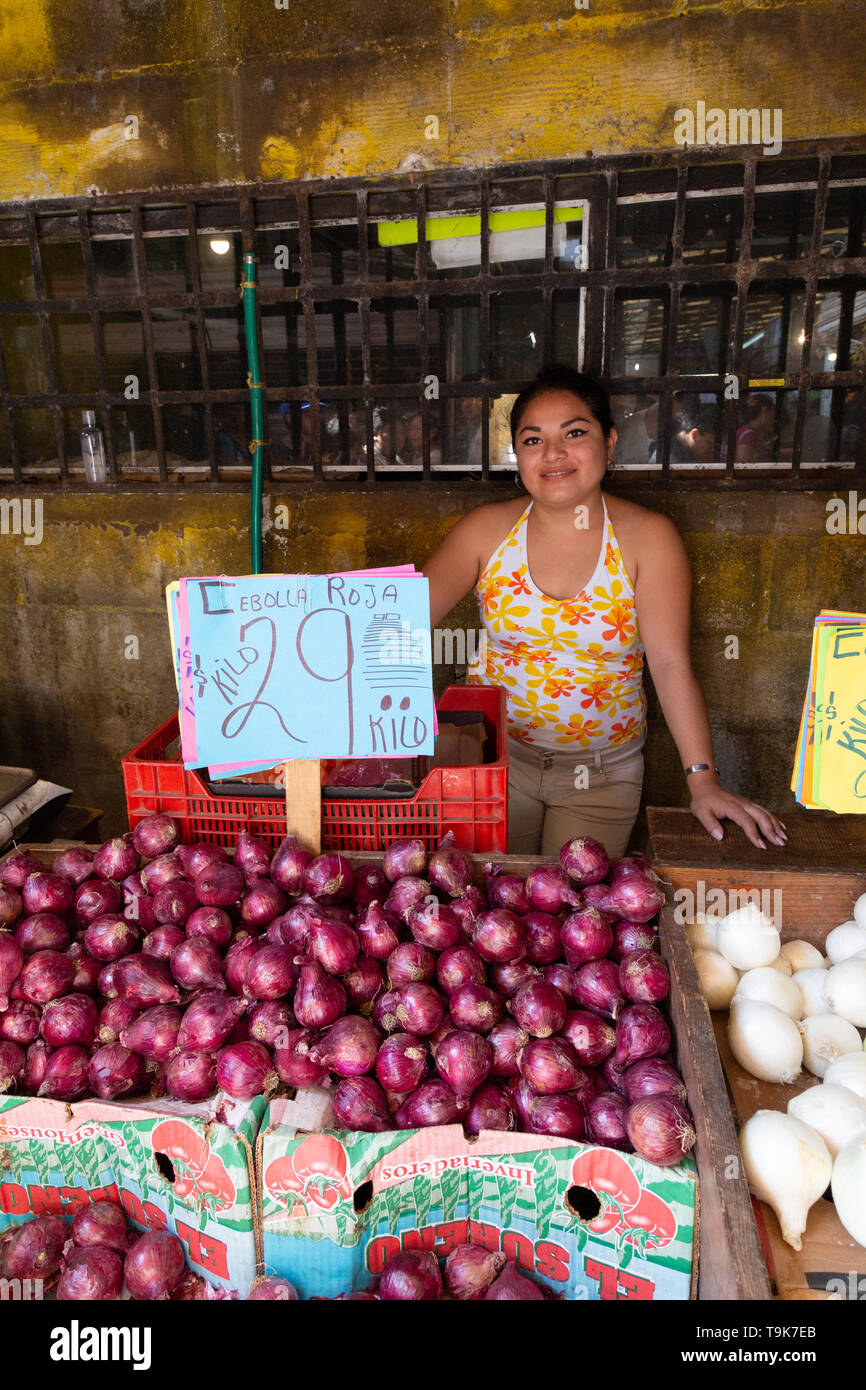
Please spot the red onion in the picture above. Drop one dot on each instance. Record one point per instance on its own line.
(208, 1021)
(115, 1071)
(174, 903)
(191, 1076)
(591, 1037)
(404, 858)
(138, 909)
(38, 1054)
(270, 1022)
(245, 1070)
(20, 1022)
(476, 1007)
(116, 858)
(635, 863)
(499, 935)
(319, 999)
(92, 1275)
(270, 1287)
(520, 1093)
(464, 1060)
(154, 1266)
(101, 1223)
(11, 907)
(95, 898)
(605, 1121)
(114, 1016)
(194, 858)
(212, 923)
(445, 1027)
(432, 1103)
(585, 936)
(511, 1285)
(359, 1103)
(371, 886)
(660, 1129)
(18, 868)
(411, 1276)
(653, 1077)
(65, 1076)
(293, 1062)
(549, 889)
(262, 902)
(633, 936)
(636, 896)
(385, 1011)
(595, 895)
(161, 942)
(289, 865)
(86, 977)
(543, 940)
(44, 976)
(433, 924)
(153, 1033)
(155, 835)
(237, 961)
(46, 892)
(489, 1109)
(334, 946)
(110, 937)
(420, 1008)
(471, 903)
(539, 1008)
(644, 978)
(449, 869)
(506, 890)
(12, 1063)
(549, 1065)
(252, 856)
(410, 963)
(406, 893)
(71, 1019)
(42, 932)
(613, 1074)
(35, 1248)
(470, 1270)
(507, 1039)
(401, 1062)
(362, 983)
(219, 885)
(162, 871)
(329, 878)
(460, 965)
(11, 960)
(640, 1032)
(507, 979)
(377, 933)
(197, 964)
(561, 1115)
(589, 1084)
(348, 1047)
(143, 981)
(597, 987)
(584, 860)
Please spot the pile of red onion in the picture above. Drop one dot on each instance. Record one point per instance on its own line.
(157, 968)
(469, 1273)
(97, 1255)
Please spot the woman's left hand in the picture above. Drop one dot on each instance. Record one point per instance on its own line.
(711, 804)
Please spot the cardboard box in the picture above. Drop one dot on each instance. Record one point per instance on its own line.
(588, 1222)
(169, 1166)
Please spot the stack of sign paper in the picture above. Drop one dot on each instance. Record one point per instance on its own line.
(830, 764)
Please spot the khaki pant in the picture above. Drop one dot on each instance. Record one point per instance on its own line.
(545, 808)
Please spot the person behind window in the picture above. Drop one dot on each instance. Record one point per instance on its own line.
(412, 448)
(694, 429)
(755, 435)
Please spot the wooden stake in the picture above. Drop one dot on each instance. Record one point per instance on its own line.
(304, 802)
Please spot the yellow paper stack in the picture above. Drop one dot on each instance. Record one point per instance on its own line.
(830, 763)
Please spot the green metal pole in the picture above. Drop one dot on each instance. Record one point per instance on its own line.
(248, 286)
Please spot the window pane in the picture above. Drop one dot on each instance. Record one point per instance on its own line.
(703, 331)
(22, 352)
(502, 455)
(712, 230)
(766, 430)
(335, 254)
(185, 434)
(783, 225)
(220, 260)
(643, 233)
(134, 442)
(74, 354)
(167, 262)
(843, 221)
(455, 355)
(566, 327)
(233, 432)
(697, 424)
(34, 435)
(638, 327)
(226, 347)
(16, 273)
(774, 322)
(516, 335)
(338, 343)
(63, 268)
(284, 344)
(177, 364)
(279, 257)
(114, 266)
(636, 417)
(123, 343)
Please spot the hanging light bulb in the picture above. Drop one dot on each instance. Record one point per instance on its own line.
(220, 246)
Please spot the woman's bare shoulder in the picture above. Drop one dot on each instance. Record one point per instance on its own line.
(637, 524)
(490, 523)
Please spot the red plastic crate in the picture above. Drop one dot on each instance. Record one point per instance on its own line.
(471, 801)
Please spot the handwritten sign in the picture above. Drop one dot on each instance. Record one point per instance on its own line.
(306, 666)
(830, 769)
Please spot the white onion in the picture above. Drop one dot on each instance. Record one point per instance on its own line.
(747, 938)
(812, 984)
(768, 986)
(701, 933)
(718, 978)
(848, 1070)
(787, 1165)
(846, 991)
(781, 965)
(849, 1189)
(834, 1112)
(859, 913)
(843, 941)
(826, 1037)
(802, 955)
(765, 1041)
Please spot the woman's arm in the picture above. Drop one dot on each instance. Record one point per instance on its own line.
(453, 569)
(663, 602)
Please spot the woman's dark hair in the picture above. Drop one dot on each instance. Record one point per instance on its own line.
(754, 405)
(562, 378)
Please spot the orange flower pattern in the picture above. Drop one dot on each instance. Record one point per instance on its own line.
(572, 669)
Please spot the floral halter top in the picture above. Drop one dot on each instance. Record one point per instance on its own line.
(571, 668)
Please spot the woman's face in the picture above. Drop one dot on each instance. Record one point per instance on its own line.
(562, 453)
(414, 433)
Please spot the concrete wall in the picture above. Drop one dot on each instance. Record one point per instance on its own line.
(73, 704)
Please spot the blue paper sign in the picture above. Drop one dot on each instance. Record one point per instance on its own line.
(310, 666)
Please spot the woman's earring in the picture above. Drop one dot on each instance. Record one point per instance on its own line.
(518, 481)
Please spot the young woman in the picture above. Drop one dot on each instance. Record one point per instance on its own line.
(574, 588)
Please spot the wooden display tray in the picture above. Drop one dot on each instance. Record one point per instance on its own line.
(817, 841)
(810, 907)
